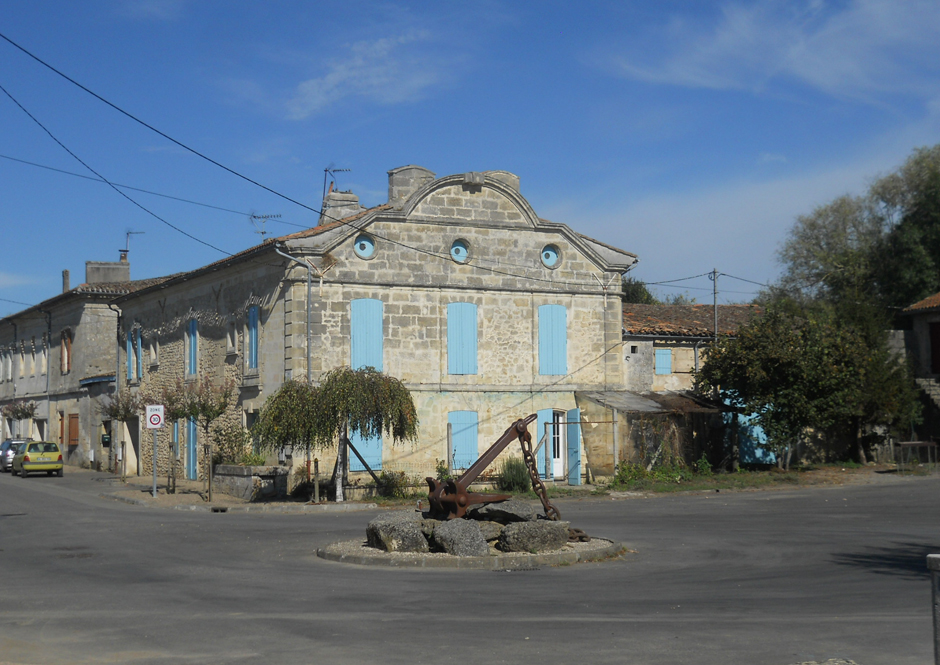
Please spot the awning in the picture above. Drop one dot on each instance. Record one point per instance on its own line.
(626, 401)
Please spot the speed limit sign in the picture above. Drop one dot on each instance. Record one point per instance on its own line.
(154, 416)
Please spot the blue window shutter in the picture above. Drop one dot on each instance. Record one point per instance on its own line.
(193, 357)
(465, 433)
(553, 340)
(130, 357)
(664, 361)
(544, 417)
(140, 354)
(573, 439)
(461, 338)
(366, 333)
(192, 469)
(370, 449)
(253, 337)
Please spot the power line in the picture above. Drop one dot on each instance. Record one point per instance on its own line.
(79, 160)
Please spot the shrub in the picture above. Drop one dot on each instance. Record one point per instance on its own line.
(233, 443)
(441, 471)
(394, 484)
(513, 476)
(703, 467)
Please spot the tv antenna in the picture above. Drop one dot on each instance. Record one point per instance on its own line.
(331, 173)
(255, 219)
(127, 243)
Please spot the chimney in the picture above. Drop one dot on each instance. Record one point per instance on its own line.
(65, 282)
(405, 181)
(104, 272)
(338, 205)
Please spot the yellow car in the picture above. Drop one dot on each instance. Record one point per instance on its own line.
(38, 456)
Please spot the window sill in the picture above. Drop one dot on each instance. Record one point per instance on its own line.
(251, 380)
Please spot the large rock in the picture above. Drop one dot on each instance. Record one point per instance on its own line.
(490, 530)
(461, 538)
(540, 536)
(505, 512)
(397, 532)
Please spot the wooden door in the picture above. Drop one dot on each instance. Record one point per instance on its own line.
(73, 429)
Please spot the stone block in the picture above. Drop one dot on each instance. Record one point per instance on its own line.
(397, 532)
(538, 536)
(461, 537)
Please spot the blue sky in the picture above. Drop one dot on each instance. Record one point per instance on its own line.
(690, 133)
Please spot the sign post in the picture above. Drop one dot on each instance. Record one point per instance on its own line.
(155, 422)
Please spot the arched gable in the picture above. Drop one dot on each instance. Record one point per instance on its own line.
(483, 198)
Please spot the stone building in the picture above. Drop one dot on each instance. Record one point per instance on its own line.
(61, 355)
(455, 286)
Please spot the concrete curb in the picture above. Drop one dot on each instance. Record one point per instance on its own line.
(302, 509)
(504, 562)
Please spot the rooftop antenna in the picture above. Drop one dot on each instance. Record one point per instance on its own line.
(262, 218)
(330, 172)
(127, 243)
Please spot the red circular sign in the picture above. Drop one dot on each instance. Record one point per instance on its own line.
(155, 419)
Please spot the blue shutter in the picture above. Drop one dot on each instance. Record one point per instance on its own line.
(140, 355)
(192, 360)
(130, 357)
(461, 338)
(553, 340)
(464, 429)
(370, 449)
(253, 337)
(574, 446)
(664, 361)
(543, 417)
(192, 470)
(366, 333)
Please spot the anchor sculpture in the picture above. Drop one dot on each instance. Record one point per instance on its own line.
(451, 499)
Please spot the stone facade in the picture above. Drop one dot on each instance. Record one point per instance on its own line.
(61, 354)
(468, 238)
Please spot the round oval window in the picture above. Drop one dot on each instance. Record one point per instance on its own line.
(460, 251)
(365, 246)
(550, 256)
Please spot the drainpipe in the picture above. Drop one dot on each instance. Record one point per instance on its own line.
(309, 344)
(117, 386)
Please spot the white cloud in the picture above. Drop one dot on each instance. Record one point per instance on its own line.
(386, 71)
(862, 50)
(7, 280)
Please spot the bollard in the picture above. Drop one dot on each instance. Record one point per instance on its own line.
(933, 564)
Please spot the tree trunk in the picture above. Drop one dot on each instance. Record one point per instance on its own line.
(341, 466)
(859, 445)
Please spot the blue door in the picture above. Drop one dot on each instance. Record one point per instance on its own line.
(544, 417)
(464, 430)
(574, 446)
(365, 349)
(192, 469)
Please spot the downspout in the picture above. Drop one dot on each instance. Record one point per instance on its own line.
(309, 270)
(117, 385)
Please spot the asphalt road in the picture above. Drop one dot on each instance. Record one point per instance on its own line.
(762, 578)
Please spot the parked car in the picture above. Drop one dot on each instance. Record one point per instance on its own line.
(38, 456)
(7, 451)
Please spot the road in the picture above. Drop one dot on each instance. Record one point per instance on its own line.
(757, 578)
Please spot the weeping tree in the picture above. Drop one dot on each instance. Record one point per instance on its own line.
(122, 406)
(363, 400)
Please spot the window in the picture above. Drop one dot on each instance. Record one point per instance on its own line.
(251, 350)
(663, 361)
(129, 360)
(551, 256)
(231, 339)
(364, 246)
(66, 351)
(464, 426)
(32, 357)
(366, 335)
(460, 251)
(22, 359)
(154, 352)
(138, 355)
(192, 347)
(44, 355)
(553, 340)
(461, 338)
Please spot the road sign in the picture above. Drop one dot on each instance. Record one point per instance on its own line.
(154, 416)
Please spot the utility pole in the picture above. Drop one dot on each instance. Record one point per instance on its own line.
(713, 276)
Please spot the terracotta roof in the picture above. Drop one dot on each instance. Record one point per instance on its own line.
(685, 320)
(927, 303)
(120, 288)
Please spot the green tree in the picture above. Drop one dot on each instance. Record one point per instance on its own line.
(797, 368)
(206, 402)
(289, 418)
(122, 406)
(636, 291)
